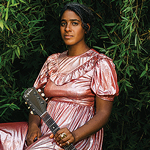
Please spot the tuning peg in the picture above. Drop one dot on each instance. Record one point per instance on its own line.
(42, 94)
(39, 90)
(35, 93)
(46, 99)
(31, 112)
(26, 103)
(42, 102)
(28, 107)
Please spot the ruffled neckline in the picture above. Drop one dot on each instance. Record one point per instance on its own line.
(61, 78)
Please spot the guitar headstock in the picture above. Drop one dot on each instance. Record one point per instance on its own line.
(35, 101)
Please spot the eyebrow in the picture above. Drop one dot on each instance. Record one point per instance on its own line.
(71, 20)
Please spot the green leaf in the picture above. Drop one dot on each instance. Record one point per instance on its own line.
(135, 40)
(143, 73)
(22, 1)
(12, 2)
(128, 71)
(6, 16)
(146, 68)
(13, 106)
(113, 46)
(6, 25)
(100, 48)
(18, 51)
(124, 18)
(5, 105)
(105, 29)
(113, 29)
(110, 24)
(1, 24)
(13, 56)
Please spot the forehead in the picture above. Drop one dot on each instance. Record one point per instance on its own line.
(69, 15)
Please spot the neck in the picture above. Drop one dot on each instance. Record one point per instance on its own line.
(77, 50)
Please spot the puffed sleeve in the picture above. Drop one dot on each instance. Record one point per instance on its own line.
(46, 71)
(104, 80)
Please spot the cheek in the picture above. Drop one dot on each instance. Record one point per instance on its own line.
(81, 32)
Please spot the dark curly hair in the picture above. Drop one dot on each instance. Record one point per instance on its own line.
(82, 11)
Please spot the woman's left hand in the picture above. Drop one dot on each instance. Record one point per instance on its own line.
(63, 137)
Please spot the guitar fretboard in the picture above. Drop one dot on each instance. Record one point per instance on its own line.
(50, 122)
(54, 128)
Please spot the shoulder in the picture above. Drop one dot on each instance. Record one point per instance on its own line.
(53, 56)
(56, 55)
(102, 58)
(100, 55)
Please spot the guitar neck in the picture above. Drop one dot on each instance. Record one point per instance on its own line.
(54, 128)
(50, 122)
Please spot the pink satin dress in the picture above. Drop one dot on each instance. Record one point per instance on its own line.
(12, 135)
(71, 84)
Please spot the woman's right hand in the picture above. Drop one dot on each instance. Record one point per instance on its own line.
(33, 133)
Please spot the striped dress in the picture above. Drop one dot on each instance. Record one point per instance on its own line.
(71, 84)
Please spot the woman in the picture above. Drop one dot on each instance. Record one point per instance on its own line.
(73, 81)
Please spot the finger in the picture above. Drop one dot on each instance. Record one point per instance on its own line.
(51, 136)
(65, 144)
(67, 140)
(59, 132)
(39, 134)
(62, 137)
(30, 139)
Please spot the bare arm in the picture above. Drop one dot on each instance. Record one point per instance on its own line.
(33, 129)
(103, 111)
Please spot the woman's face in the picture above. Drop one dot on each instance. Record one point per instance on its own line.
(71, 28)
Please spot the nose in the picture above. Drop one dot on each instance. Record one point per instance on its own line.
(67, 28)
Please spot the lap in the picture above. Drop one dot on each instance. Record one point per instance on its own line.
(12, 135)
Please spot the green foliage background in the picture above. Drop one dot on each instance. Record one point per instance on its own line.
(29, 32)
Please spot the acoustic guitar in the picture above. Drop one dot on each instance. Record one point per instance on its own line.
(38, 106)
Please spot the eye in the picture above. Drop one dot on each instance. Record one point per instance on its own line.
(74, 23)
(62, 24)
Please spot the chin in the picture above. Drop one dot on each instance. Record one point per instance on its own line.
(69, 44)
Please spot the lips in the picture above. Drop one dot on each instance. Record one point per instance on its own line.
(68, 36)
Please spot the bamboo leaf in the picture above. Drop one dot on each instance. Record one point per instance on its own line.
(22, 1)
(13, 106)
(1, 24)
(5, 105)
(110, 24)
(124, 18)
(18, 50)
(143, 73)
(6, 16)
(12, 2)
(100, 48)
(113, 46)
(6, 25)
(135, 40)
(13, 56)
(146, 68)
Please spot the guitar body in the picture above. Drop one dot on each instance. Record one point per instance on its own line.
(38, 107)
